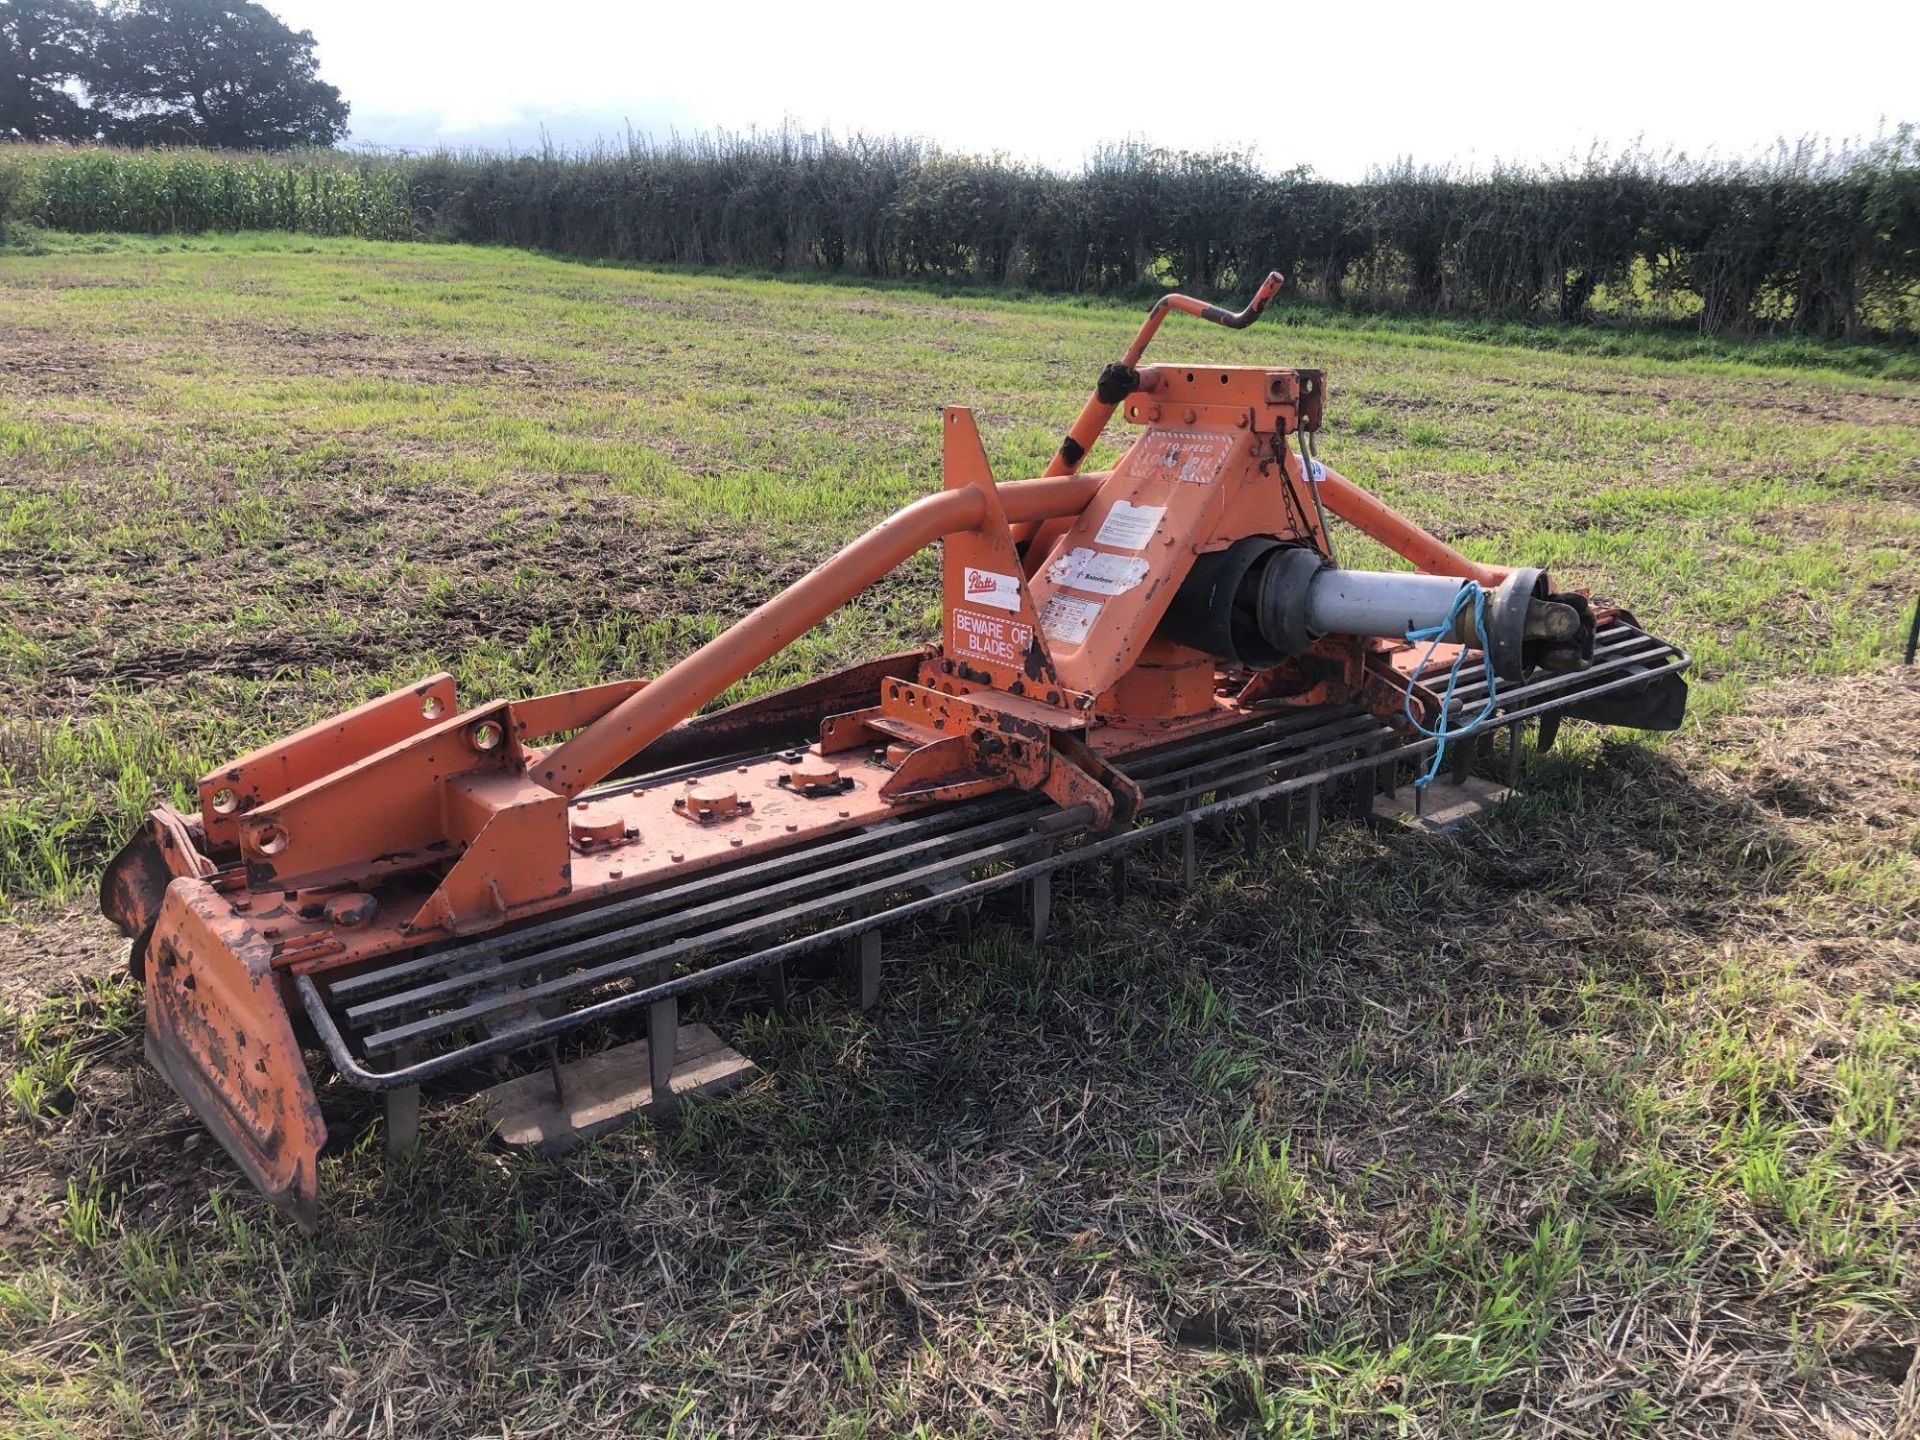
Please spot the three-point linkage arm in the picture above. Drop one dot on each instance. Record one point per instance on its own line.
(1122, 378)
(1059, 495)
(1037, 511)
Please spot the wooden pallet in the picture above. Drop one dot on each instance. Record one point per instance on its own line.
(599, 1093)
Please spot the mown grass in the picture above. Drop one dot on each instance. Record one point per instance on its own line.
(1603, 1121)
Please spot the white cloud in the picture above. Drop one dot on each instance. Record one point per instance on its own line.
(1340, 88)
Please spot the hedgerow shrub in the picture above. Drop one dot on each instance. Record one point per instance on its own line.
(1810, 241)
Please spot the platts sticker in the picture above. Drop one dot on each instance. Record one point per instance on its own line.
(990, 587)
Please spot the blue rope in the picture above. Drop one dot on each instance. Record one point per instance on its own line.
(1445, 730)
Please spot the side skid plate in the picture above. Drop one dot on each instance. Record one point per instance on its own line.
(218, 1030)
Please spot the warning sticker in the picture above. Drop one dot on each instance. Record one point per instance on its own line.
(1129, 526)
(1193, 457)
(1097, 572)
(991, 637)
(1068, 618)
(990, 587)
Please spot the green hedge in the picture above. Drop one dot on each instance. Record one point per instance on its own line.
(1810, 242)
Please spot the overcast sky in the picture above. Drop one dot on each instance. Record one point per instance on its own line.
(1337, 86)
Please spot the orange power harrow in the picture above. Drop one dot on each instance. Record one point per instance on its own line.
(416, 886)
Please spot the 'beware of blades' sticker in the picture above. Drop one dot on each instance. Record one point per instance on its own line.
(978, 635)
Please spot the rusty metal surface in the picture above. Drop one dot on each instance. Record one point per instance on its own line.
(781, 718)
(218, 1029)
(266, 774)
(134, 884)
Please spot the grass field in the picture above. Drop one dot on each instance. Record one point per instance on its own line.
(1605, 1120)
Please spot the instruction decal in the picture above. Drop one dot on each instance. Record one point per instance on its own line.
(1068, 618)
(1129, 526)
(1097, 572)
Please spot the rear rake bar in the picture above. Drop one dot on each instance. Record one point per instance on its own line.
(438, 1014)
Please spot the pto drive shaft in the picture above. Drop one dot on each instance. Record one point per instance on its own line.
(1260, 601)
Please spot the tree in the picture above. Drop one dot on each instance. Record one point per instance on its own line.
(212, 72)
(45, 47)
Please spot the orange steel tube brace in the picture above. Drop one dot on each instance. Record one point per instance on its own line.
(649, 713)
(1399, 534)
(1096, 412)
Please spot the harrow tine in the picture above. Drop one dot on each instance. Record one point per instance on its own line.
(403, 1111)
(1364, 789)
(867, 959)
(1117, 877)
(1463, 756)
(1516, 739)
(777, 984)
(1313, 818)
(1189, 861)
(1040, 902)
(663, 1036)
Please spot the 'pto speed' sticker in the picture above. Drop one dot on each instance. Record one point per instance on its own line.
(1067, 618)
(1193, 457)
